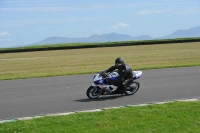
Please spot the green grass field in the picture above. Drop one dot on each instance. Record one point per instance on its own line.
(176, 117)
(91, 60)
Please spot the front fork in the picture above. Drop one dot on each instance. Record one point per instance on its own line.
(96, 87)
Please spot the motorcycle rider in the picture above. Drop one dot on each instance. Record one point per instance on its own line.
(125, 74)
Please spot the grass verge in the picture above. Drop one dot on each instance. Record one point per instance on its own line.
(175, 117)
(91, 60)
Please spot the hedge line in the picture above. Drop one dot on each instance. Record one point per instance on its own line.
(95, 45)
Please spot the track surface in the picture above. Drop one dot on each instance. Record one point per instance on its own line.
(41, 96)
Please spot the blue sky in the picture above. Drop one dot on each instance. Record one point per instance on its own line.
(28, 21)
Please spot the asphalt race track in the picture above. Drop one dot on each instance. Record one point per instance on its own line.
(41, 96)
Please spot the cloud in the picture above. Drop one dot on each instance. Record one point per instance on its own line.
(47, 6)
(5, 33)
(44, 9)
(150, 12)
(185, 11)
(119, 26)
(81, 6)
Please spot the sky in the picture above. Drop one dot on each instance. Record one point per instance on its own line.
(25, 22)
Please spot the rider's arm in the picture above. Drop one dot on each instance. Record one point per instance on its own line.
(112, 68)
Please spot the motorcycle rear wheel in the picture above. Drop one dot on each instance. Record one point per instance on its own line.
(133, 88)
(93, 92)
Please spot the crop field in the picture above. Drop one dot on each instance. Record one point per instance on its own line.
(91, 60)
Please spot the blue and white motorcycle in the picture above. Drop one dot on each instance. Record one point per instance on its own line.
(101, 84)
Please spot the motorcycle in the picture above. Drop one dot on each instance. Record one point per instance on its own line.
(101, 84)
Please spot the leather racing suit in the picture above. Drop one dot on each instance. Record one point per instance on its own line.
(125, 76)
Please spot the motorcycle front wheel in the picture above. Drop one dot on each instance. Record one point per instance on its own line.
(93, 92)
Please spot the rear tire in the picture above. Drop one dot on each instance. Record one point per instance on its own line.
(133, 88)
(93, 92)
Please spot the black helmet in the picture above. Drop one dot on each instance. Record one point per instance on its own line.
(119, 62)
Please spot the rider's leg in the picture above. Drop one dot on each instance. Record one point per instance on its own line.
(124, 86)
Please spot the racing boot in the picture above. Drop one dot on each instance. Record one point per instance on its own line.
(123, 90)
(124, 86)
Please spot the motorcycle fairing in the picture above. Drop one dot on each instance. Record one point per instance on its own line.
(113, 77)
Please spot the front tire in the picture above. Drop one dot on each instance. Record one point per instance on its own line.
(93, 92)
(133, 88)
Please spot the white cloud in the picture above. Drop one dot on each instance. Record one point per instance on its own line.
(44, 9)
(46, 6)
(120, 26)
(5, 33)
(29, 6)
(149, 12)
(185, 11)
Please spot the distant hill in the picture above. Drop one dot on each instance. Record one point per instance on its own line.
(113, 37)
(143, 37)
(193, 32)
(55, 40)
